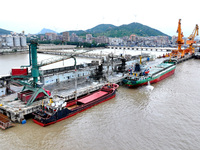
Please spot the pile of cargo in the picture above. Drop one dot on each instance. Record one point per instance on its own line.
(5, 122)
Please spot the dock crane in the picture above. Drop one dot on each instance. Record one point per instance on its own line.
(32, 88)
(180, 42)
(191, 41)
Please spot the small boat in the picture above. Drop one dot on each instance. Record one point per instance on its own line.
(142, 74)
(53, 112)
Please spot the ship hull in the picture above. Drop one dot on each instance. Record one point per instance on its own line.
(156, 78)
(65, 113)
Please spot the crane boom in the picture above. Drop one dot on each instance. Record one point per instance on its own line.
(30, 80)
(191, 41)
(194, 33)
(180, 40)
(58, 59)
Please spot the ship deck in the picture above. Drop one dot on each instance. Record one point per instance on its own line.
(92, 97)
(159, 68)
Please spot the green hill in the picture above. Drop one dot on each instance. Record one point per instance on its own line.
(133, 28)
(3, 31)
(101, 28)
(110, 30)
(78, 32)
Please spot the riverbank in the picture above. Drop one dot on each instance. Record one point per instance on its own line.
(13, 51)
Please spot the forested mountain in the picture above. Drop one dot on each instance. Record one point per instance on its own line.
(3, 31)
(110, 30)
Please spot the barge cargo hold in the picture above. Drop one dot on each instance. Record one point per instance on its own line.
(54, 112)
(141, 75)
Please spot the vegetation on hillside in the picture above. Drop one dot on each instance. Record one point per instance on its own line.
(110, 30)
(3, 31)
(120, 31)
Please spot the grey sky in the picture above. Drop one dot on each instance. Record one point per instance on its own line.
(64, 15)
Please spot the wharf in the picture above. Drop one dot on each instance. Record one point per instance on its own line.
(17, 110)
(4, 84)
(187, 57)
(197, 55)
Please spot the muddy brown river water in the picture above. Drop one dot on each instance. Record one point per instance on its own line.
(162, 116)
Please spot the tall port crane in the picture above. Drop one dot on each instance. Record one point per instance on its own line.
(191, 41)
(32, 89)
(179, 41)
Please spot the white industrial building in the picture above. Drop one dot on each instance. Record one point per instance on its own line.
(64, 76)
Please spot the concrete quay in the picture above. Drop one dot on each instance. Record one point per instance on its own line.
(17, 110)
(187, 57)
(197, 55)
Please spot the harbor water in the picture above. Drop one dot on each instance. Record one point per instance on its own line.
(161, 116)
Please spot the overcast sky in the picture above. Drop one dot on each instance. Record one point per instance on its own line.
(63, 15)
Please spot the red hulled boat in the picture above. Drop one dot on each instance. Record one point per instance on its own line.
(55, 112)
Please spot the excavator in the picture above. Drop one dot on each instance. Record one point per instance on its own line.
(191, 41)
(179, 52)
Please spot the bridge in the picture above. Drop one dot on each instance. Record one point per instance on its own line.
(55, 47)
(149, 49)
(69, 53)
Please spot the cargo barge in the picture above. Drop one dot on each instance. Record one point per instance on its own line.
(53, 112)
(141, 75)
